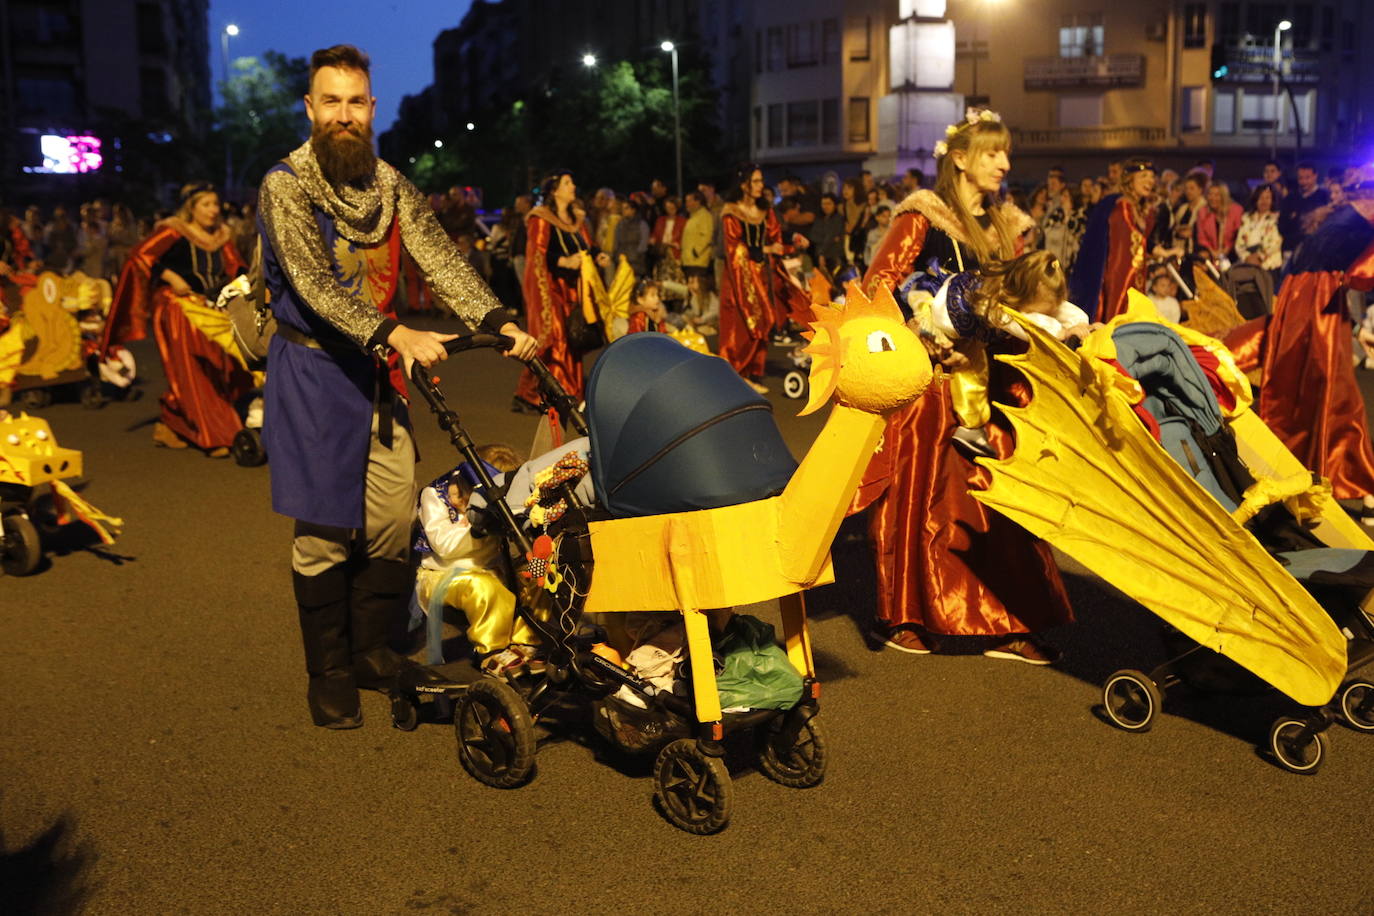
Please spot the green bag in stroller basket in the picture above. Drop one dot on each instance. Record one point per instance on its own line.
(754, 670)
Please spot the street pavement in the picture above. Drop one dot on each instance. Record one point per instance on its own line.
(156, 755)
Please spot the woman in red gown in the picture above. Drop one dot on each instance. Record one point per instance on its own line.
(1308, 395)
(173, 274)
(946, 565)
(1129, 229)
(753, 240)
(558, 238)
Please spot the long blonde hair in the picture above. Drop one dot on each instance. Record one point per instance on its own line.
(189, 195)
(1034, 276)
(974, 139)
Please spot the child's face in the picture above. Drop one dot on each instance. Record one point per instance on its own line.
(456, 497)
(650, 304)
(1163, 286)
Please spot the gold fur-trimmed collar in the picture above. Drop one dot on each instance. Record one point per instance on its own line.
(733, 208)
(942, 216)
(206, 241)
(549, 216)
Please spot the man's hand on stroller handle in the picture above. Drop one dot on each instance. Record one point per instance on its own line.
(424, 347)
(523, 347)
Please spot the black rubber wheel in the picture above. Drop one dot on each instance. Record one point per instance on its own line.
(693, 790)
(1295, 747)
(802, 765)
(495, 734)
(22, 549)
(1357, 705)
(405, 713)
(1131, 700)
(92, 398)
(794, 384)
(34, 398)
(247, 448)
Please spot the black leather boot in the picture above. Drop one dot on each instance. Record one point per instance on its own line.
(377, 599)
(322, 602)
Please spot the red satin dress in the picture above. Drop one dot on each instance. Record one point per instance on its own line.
(551, 295)
(1310, 398)
(945, 563)
(204, 382)
(755, 295)
(1127, 253)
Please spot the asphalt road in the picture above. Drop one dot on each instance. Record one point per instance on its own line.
(156, 755)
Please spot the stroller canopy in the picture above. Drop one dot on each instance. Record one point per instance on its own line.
(673, 430)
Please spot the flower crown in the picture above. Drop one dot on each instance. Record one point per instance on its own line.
(971, 116)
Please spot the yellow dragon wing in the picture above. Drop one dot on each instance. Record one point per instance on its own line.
(1087, 477)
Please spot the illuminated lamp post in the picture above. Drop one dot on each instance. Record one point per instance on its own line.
(1279, 29)
(227, 33)
(677, 116)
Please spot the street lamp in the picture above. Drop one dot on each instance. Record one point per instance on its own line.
(1279, 29)
(589, 60)
(229, 31)
(671, 48)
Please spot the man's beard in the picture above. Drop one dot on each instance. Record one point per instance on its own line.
(345, 154)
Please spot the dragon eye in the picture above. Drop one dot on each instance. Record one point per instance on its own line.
(878, 341)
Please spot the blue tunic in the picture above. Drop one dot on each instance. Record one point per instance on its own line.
(318, 404)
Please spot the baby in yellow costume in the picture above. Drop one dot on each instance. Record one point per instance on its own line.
(456, 571)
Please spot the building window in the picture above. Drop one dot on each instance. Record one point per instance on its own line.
(830, 41)
(775, 125)
(1080, 35)
(758, 50)
(803, 123)
(861, 42)
(774, 48)
(51, 91)
(801, 45)
(1228, 23)
(152, 38)
(152, 92)
(858, 119)
(830, 122)
(1260, 19)
(1192, 100)
(1224, 113)
(758, 127)
(1257, 112)
(1080, 111)
(1194, 25)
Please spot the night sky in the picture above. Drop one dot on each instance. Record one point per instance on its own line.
(397, 34)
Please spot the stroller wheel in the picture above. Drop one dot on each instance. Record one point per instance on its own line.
(1296, 746)
(405, 713)
(20, 549)
(794, 384)
(1357, 705)
(247, 448)
(692, 789)
(799, 767)
(34, 398)
(495, 734)
(92, 398)
(1131, 700)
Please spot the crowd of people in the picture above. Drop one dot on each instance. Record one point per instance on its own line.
(734, 259)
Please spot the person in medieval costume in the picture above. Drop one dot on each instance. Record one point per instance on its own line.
(333, 219)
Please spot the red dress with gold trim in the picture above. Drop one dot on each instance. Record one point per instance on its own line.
(551, 295)
(203, 381)
(1127, 242)
(945, 563)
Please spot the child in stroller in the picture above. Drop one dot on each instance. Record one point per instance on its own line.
(697, 505)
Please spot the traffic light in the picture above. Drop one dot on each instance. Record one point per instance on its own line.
(1220, 68)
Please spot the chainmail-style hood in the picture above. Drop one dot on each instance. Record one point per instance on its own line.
(362, 215)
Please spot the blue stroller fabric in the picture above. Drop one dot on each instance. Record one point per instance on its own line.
(673, 430)
(1179, 396)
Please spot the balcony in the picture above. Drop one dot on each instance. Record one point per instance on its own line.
(1247, 63)
(1110, 71)
(1088, 137)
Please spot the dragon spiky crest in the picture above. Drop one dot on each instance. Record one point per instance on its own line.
(826, 336)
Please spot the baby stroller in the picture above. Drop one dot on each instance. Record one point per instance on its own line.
(1260, 578)
(698, 505)
(494, 717)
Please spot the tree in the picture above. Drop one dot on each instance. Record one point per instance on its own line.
(262, 113)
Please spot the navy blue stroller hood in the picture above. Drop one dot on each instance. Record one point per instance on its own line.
(673, 430)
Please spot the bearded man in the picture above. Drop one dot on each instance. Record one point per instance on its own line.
(333, 219)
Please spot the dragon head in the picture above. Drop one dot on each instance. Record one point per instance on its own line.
(862, 353)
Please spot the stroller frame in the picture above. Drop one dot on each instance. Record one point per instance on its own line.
(494, 717)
